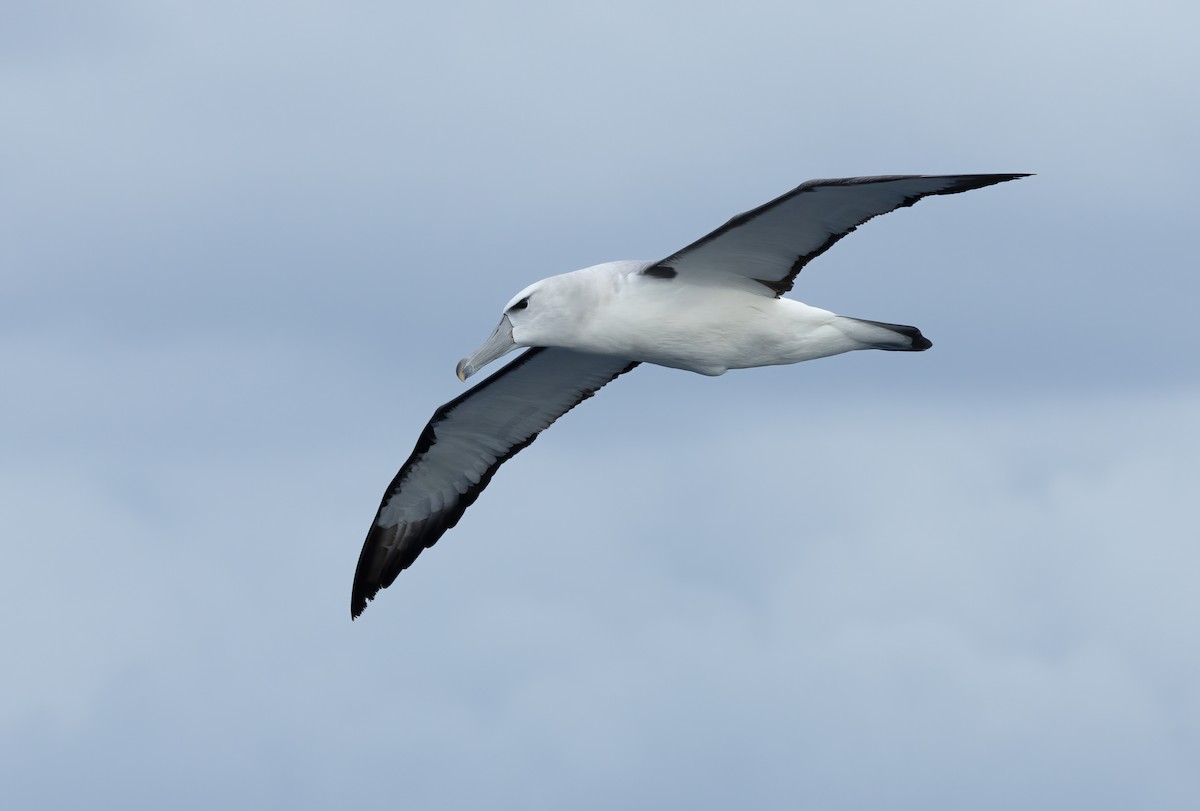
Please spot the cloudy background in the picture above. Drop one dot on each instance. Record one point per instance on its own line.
(244, 245)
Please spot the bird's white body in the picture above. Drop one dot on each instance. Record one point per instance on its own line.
(707, 327)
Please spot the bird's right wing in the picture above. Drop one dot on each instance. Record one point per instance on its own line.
(771, 244)
(462, 447)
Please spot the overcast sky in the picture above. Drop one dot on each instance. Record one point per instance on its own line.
(245, 244)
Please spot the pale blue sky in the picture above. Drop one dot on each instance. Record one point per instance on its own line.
(247, 243)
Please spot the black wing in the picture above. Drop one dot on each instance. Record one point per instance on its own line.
(772, 243)
(462, 447)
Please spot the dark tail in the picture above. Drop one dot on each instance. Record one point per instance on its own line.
(892, 337)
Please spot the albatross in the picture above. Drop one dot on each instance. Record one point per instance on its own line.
(714, 305)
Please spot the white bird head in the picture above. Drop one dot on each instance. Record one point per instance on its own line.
(546, 313)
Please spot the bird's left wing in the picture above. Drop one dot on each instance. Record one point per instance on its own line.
(772, 243)
(462, 447)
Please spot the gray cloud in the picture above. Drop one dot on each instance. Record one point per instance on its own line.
(248, 243)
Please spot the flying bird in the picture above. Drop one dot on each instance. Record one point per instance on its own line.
(714, 305)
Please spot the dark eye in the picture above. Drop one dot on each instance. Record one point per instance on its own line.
(520, 305)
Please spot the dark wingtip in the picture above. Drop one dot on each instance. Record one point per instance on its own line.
(365, 586)
(361, 595)
(972, 182)
(359, 599)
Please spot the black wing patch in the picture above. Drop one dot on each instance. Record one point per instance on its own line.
(660, 271)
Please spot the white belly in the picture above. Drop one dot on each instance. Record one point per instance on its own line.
(712, 329)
